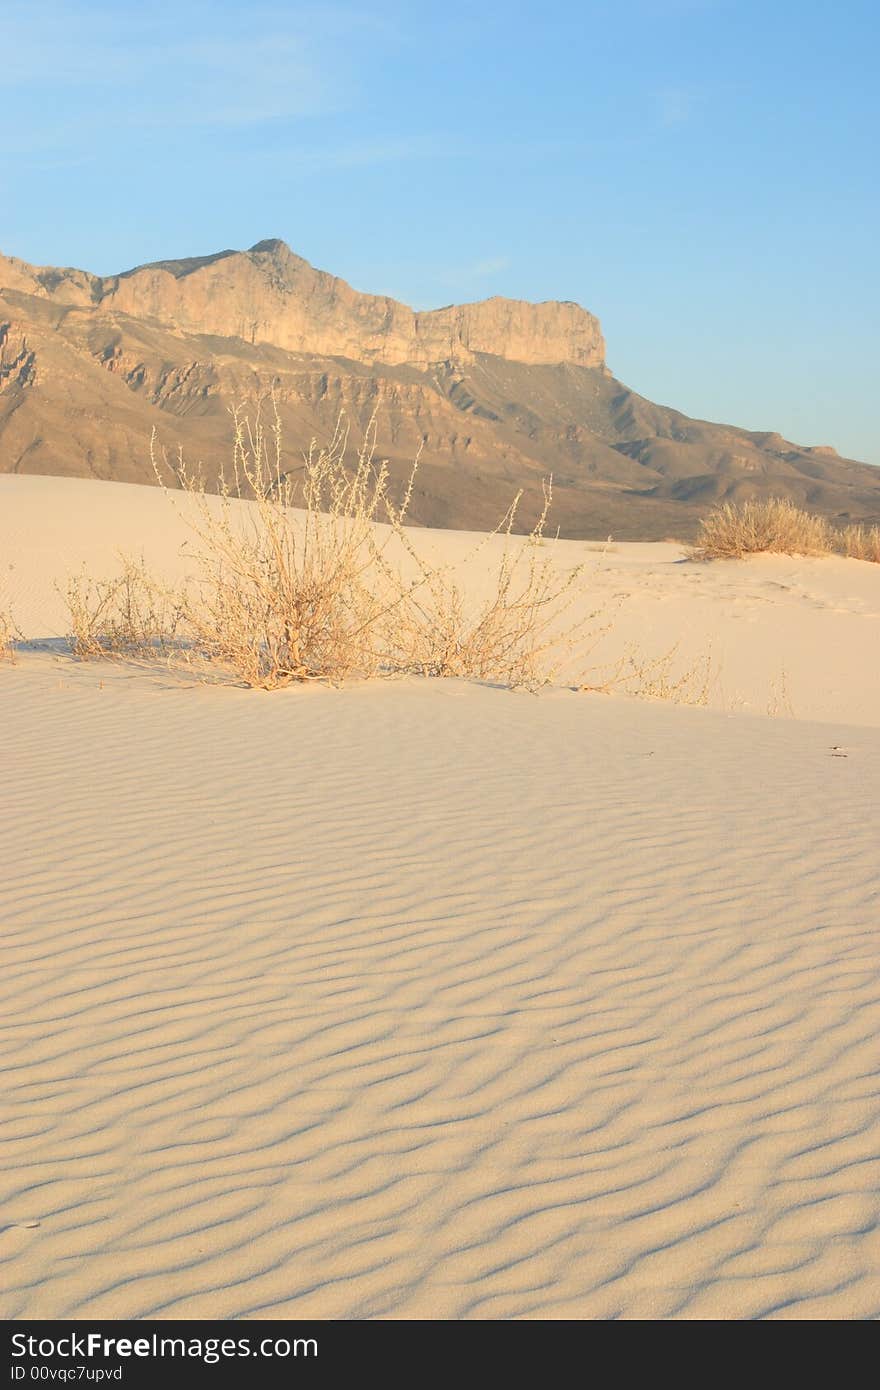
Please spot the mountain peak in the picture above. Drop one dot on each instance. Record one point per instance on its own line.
(271, 245)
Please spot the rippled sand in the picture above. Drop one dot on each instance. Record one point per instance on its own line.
(430, 1000)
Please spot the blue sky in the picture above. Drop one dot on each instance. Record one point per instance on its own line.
(702, 174)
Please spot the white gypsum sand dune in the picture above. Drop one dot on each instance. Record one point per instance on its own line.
(784, 635)
(426, 999)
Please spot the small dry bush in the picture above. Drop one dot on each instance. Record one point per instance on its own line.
(748, 528)
(860, 543)
(8, 633)
(661, 677)
(514, 635)
(779, 703)
(318, 579)
(279, 597)
(130, 615)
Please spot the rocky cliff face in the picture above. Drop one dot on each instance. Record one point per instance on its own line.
(269, 295)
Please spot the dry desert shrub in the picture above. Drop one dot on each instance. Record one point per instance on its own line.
(514, 635)
(130, 615)
(748, 528)
(308, 582)
(318, 579)
(308, 585)
(860, 543)
(779, 703)
(658, 678)
(280, 596)
(8, 633)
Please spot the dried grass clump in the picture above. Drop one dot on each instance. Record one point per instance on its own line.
(128, 616)
(860, 543)
(749, 528)
(733, 530)
(514, 635)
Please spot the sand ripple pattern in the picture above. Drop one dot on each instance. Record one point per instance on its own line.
(433, 1001)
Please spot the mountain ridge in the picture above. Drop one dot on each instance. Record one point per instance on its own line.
(271, 295)
(494, 396)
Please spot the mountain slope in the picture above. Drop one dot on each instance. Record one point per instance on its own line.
(496, 395)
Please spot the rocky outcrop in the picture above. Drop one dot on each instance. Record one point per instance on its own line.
(18, 363)
(269, 295)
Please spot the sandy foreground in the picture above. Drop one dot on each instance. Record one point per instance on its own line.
(427, 999)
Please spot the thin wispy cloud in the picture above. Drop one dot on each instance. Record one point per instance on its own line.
(477, 270)
(492, 265)
(431, 146)
(195, 68)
